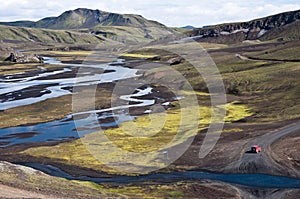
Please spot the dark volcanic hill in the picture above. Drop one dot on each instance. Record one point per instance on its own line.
(87, 18)
(284, 26)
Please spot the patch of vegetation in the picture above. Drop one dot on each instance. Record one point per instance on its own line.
(8, 68)
(76, 153)
(271, 89)
(271, 96)
(284, 51)
(209, 46)
(183, 189)
(232, 64)
(142, 56)
(232, 130)
(70, 53)
(48, 110)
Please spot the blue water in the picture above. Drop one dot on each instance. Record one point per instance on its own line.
(250, 180)
(51, 131)
(58, 130)
(65, 129)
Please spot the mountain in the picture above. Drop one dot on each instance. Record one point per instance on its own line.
(284, 26)
(189, 27)
(82, 25)
(87, 18)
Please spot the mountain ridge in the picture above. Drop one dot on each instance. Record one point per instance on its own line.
(263, 28)
(95, 25)
(87, 18)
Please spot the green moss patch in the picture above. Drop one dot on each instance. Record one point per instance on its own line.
(77, 153)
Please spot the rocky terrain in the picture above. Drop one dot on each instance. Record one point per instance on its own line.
(21, 58)
(7, 53)
(284, 26)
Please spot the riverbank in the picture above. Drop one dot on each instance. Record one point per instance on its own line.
(45, 186)
(237, 132)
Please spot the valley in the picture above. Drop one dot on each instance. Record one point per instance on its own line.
(122, 106)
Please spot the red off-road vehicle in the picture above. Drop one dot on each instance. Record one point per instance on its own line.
(255, 149)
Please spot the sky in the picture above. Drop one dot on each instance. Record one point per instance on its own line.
(173, 13)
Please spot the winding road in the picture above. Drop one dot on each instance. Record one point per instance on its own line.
(263, 162)
(245, 58)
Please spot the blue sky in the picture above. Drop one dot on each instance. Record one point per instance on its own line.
(170, 12)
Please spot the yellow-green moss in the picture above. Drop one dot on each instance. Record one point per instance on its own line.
(142, 56)
(151, 138)
(70, 53)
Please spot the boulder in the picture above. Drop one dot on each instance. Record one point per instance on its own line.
(11, 58)
(175, 60)
(20, 58)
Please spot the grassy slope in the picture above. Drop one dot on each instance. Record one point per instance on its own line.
(267, 87)
(47, 36)
(285, 51)
(131, 34)
(115, 34)
(273, 97)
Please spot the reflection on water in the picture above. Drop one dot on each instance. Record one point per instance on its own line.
(15, 86)
(13, 91)
(251, 180)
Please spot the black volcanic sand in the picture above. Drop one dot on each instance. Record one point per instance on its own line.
(31, 73)
(30, 92)
(20, 135)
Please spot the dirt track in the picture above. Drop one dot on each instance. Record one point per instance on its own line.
(263, 162)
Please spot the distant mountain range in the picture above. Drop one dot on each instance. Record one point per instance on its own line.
(86, 18)
(284, 26)
(94, 26)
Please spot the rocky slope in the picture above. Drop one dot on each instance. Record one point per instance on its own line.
(284, 26)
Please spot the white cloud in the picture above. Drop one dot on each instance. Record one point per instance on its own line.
(172, 13)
